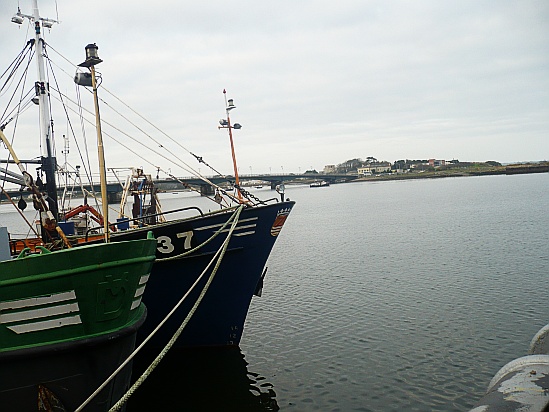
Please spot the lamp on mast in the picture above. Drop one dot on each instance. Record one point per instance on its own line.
(18, 18)
(226, 124)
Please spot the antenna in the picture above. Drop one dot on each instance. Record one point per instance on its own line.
(65, 150)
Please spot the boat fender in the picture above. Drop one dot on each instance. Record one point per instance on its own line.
(218, 197)
(22, 205)
(519, 386)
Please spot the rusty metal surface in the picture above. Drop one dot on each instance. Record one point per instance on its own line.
(520, 386)
(48, 401)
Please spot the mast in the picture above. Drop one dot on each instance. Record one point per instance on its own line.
(91, 60)
(46, 205)
(49, 163)
(101, 155)
(226, 124)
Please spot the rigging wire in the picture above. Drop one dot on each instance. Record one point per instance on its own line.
(141, 144)
(183, 164)
(205, 179)
(30, 51)
(29, 224)
(22, 80)
(149, 122)
(19, 108)
(87, 169)
(84, 137)
(146, 160)
(14, 65)
(79, 105)
(16, 62)
(187, 167)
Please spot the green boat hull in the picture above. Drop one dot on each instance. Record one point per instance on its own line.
(68, 319)
(68, 372)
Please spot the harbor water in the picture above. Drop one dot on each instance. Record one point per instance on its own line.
(389, 296)
(380, 296)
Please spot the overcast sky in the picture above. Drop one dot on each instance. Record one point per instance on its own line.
(317, 82)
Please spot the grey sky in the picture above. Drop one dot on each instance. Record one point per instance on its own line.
(318, 82)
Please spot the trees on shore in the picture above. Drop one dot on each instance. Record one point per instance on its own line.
(352, 165)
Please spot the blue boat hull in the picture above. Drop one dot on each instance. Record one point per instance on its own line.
(220, 317)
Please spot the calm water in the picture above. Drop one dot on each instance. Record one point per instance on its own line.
(402, 295)
(381, 297)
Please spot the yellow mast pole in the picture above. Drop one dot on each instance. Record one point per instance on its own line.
(91, 60)
(101, 156)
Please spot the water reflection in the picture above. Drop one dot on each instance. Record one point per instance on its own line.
(210, 379)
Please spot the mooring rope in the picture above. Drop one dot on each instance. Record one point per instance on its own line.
(219, 256)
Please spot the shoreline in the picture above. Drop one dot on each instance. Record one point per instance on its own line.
(497, 170)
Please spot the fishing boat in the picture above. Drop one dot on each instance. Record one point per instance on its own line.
(322, 183)
(186, 251)
(68, 316)
(68, 320)
(219, 319)
(220, 254)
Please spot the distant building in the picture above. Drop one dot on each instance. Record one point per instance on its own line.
(435, 162)
(371, 168)
(329, 169)
(401, 170)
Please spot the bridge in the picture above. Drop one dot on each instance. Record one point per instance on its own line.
(273, 179)
(114, 189)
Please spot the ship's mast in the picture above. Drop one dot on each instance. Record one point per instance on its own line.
(226, 124)
(49, 163)
(91, 60)
(48, 205)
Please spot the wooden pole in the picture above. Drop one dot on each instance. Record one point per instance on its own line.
(101, 156)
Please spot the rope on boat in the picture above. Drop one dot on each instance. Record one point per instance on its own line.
(219, 256)
(176, 335)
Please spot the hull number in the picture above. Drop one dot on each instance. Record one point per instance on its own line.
(165, 245)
